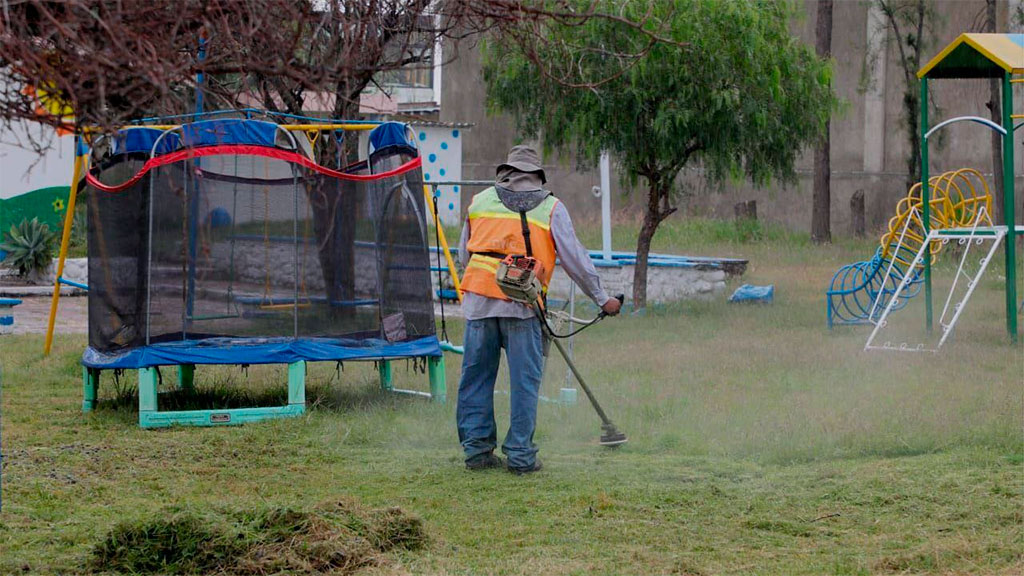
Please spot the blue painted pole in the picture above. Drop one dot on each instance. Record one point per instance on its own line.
(193, 203)
(200, 77)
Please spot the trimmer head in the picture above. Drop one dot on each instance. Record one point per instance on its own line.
(611, 437)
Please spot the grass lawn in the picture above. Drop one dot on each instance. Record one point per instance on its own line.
(760, 443)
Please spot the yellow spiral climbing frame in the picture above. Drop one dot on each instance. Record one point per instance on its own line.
(959, 199)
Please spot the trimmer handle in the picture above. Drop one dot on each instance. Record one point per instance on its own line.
(622, 300)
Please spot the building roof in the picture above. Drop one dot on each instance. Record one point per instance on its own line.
(978, 56)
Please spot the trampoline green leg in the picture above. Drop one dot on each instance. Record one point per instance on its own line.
(384, 367)
(186, 377)
(90, 386)
(297, 385)
(149, 417)
(438, 388)
(147, 394)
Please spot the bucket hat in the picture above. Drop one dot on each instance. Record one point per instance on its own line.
(524, 159)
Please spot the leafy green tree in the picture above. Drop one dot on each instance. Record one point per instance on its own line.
(724, 85)
(912, 23)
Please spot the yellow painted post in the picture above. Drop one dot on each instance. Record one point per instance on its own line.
(427, 194)
(348, 127)
(69, 218)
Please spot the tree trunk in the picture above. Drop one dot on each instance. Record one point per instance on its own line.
(996, 113)
(652, 218)
(821, 224)
(857, 227)
(745, 210)
(643, 250)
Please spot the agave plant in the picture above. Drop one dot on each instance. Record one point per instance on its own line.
(29, 247)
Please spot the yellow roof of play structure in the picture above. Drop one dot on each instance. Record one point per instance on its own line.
(978, 56)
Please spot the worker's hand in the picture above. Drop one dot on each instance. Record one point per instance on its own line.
(612, 306)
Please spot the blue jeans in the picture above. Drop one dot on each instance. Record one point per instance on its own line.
(523, 346)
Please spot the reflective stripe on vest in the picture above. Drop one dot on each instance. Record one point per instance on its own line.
(495, 229)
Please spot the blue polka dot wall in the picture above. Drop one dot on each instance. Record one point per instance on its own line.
(441, 150)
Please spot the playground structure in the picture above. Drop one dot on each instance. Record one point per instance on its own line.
(224, 241)
(954, 205)
(859, 292)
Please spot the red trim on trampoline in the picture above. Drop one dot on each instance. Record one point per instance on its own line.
(247, 150)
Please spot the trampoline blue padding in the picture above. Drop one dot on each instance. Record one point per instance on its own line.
(229, 131)
(260, 351)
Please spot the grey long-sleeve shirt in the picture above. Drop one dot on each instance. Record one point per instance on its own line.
(572, 256)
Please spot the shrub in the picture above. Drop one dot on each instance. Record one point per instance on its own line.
(29, 247)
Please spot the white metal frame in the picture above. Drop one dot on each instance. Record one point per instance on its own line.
(892, 264)
(967, 237)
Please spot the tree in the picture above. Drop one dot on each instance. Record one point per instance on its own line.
(821, 211)
(103, 63)
(994, 105)
(725, 85)
(112, 61)
(910, 22)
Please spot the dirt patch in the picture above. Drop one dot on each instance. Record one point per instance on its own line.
(336, 537)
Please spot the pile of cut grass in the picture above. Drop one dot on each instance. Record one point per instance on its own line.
(336, 537)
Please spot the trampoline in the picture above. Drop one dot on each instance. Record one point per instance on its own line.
(225, 241)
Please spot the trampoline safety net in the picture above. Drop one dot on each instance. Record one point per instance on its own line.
(226, 233)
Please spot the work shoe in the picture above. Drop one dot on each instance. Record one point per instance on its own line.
(527, 470)
(484, 462)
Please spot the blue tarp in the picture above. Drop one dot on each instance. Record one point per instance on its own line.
(392, 134)
(751, 293)
(260, 351)
(229, 131)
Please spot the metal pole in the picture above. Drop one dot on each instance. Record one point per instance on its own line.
(926, 212)
(200, 77)
(583, 384)
(606, 209)
(295, 236)
(65, 239)
(1008, 206)
(572, 313)
(428, 196)
(194, 205)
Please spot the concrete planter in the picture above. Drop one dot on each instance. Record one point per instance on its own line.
(75, 269)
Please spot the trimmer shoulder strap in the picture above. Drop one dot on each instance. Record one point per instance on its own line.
(526, 233)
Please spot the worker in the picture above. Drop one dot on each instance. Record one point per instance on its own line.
(494, 228)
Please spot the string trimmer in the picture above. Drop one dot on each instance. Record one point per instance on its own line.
(517, 276)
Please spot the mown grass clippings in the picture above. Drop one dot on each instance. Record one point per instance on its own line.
(182, 544)
(780, 527)
(337, 537)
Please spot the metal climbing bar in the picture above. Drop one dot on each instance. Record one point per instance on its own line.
(967, 238)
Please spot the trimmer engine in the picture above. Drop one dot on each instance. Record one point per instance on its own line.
(519, 278)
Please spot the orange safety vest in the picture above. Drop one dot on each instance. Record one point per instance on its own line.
(494, 230)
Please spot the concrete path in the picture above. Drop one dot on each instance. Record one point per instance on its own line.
(32, 315)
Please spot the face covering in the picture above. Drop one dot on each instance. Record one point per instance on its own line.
(519, 191)
(511, 179)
